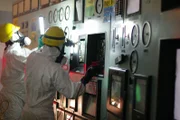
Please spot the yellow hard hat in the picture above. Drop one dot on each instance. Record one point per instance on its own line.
(54, 36)
(6, 31)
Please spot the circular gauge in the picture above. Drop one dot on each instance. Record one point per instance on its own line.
(99, 6)
(135, 36)
(61, 14)
(55, 15)
(50, 17)
(146, 34)
(66, 32)
(67, 12)
(133, 61)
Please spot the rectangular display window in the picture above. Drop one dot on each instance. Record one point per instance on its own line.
(117, 87)
(133, 7)
(77, 61)
(141, 97)
(44, 3)
(21, 7)
(34, 4)
(91, 100)
(27, 5)
(15, 10)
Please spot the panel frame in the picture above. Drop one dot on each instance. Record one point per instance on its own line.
(112, 109)
(135, 13)
(136, 114)
(44, 5)
(13, 10)
(98, 101)
(82, 12)
(19, 14)
(29, 7)
(35, 9)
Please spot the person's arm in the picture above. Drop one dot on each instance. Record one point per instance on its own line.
(64, 85)
(71, 89)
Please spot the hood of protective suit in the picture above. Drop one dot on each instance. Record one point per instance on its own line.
(51, 52)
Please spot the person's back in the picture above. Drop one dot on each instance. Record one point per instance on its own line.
(45, 76)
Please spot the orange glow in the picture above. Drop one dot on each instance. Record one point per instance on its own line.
(116, 103)
(119, 105)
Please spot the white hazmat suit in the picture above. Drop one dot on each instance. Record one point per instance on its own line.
(12, 79)
(43, 78)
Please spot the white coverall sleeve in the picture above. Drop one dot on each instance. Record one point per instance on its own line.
(22, 54)
(64, 85)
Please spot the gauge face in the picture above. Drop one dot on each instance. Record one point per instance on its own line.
(135, 36)
(133, 61)
(50, 17)
(146, 34)
(67, 12)
(66, 32)
(55, 15)
(99, 6)
(61, 14)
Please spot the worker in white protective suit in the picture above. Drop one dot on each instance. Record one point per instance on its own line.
(45, 76)
(12, 95)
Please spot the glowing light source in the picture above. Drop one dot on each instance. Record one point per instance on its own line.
(72, 103)
(116, 103)
(119, 105)
(41, 25)
(113, 103)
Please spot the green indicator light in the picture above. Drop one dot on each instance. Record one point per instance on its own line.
(138, 93)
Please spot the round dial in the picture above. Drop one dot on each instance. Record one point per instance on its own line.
(61, 14)
(55, 15)
(133, 61)
(67, 12)
(99, 6)
(66, 32)
(135, 36)
(146, 34)
(50, 17)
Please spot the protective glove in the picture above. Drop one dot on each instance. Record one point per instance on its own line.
(40, 43)
(69, 43)
(92, 71)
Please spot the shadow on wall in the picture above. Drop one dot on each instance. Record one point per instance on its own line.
(5, 16)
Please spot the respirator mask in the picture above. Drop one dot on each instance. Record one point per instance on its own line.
(19, 37)
(61, 58)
